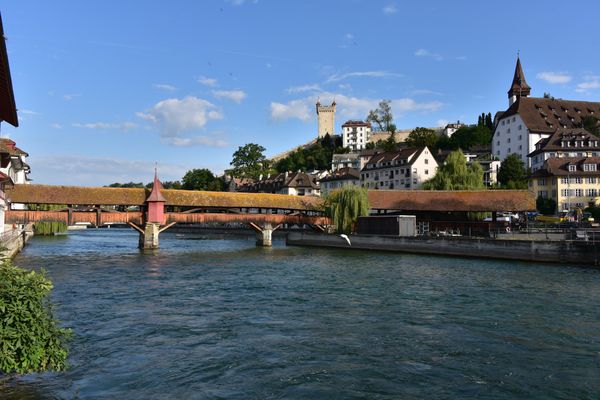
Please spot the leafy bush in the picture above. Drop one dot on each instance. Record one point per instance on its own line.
(49, 227)
(30, 338)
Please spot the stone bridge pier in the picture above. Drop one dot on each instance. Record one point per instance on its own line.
(264, 233)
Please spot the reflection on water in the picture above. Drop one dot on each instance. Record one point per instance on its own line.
(224, 319)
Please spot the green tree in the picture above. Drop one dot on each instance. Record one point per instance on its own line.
(590, 124)
(30, 338)
(469, 136)
(455, 174)
(420, 137)
(545, 205)
(201, 179)
(512, 173)
(345, 205)
(382, 117)
(249, 161)
(127, 185)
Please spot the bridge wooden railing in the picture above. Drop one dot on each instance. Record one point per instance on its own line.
(101, 218)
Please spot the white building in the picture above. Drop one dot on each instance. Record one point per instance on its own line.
(356, 134)
(13, 164)
(530, 119)
(339, 179)
(565, 143)
(397, 170)
(451, 128)
(347, 160)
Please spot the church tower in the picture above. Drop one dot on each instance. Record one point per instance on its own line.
(519, 87)
(326, 117)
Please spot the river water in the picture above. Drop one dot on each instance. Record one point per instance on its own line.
(221, 319)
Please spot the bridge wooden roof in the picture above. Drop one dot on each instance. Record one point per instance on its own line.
(48, 194)
(447, 201)
(409, 200)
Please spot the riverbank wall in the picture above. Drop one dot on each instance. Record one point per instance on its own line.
(13, 241)
(568, 252)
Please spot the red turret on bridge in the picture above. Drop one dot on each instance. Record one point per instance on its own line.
(156, 202)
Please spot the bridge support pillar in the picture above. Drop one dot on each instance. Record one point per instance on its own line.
(149, 236)
(264, 234)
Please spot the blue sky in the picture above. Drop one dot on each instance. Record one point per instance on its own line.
(106, 89)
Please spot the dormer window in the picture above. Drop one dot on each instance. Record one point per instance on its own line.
(572, 168)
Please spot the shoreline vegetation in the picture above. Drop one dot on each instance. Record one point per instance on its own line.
(31, 339)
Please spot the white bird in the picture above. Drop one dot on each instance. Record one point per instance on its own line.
(344, 236)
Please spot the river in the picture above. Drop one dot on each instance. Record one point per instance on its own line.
(222, 319)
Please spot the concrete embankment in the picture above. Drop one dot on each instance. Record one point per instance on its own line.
(13, 241)
(572, 252)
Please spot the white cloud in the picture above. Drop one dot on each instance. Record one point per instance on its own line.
(234, 95)
(390, 9)
(349, 36)
(417, 92)
(298, 109)
(427, 53)
(56, 125)
(590, 83)
(370, 74)
(304, 88)
(347, 106)
(27, 112)
(165, 86)
(70, 96)
(211, 82)
(98, 171)
(124, 126)
(175, 116)
(555, 77)
(215, 140)
(442, 123)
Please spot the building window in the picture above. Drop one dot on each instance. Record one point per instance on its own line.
(508, 140)
(578, 192)
(520, 129)
(498, 143)
(542, 182)
(426, 172)
(578, 179)
(427, 161)
(572, 168)
(592, 192)
(591, 180)
(508, 130)
(520, 137)
(513, 119)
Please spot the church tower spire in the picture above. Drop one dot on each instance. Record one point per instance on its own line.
(519, 87)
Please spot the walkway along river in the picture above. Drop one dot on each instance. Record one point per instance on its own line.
(225, 319)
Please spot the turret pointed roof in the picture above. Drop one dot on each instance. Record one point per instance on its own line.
(519, 86)
(155, 194)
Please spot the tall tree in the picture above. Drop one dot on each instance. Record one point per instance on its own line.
(382, 117)
(512, 173)
(249, 161)
(420, 137)
(345, 205)
(201, 179)
(455, 174)
(489, 122)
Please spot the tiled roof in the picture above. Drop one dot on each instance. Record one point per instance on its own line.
(47, 194)
(543, 115)
(350, 123)
(8, 109)
(8, 146)
(555, 166)
(274, 183)
(448, 201)
(342, 174)
(554, 142)
(380, 160)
